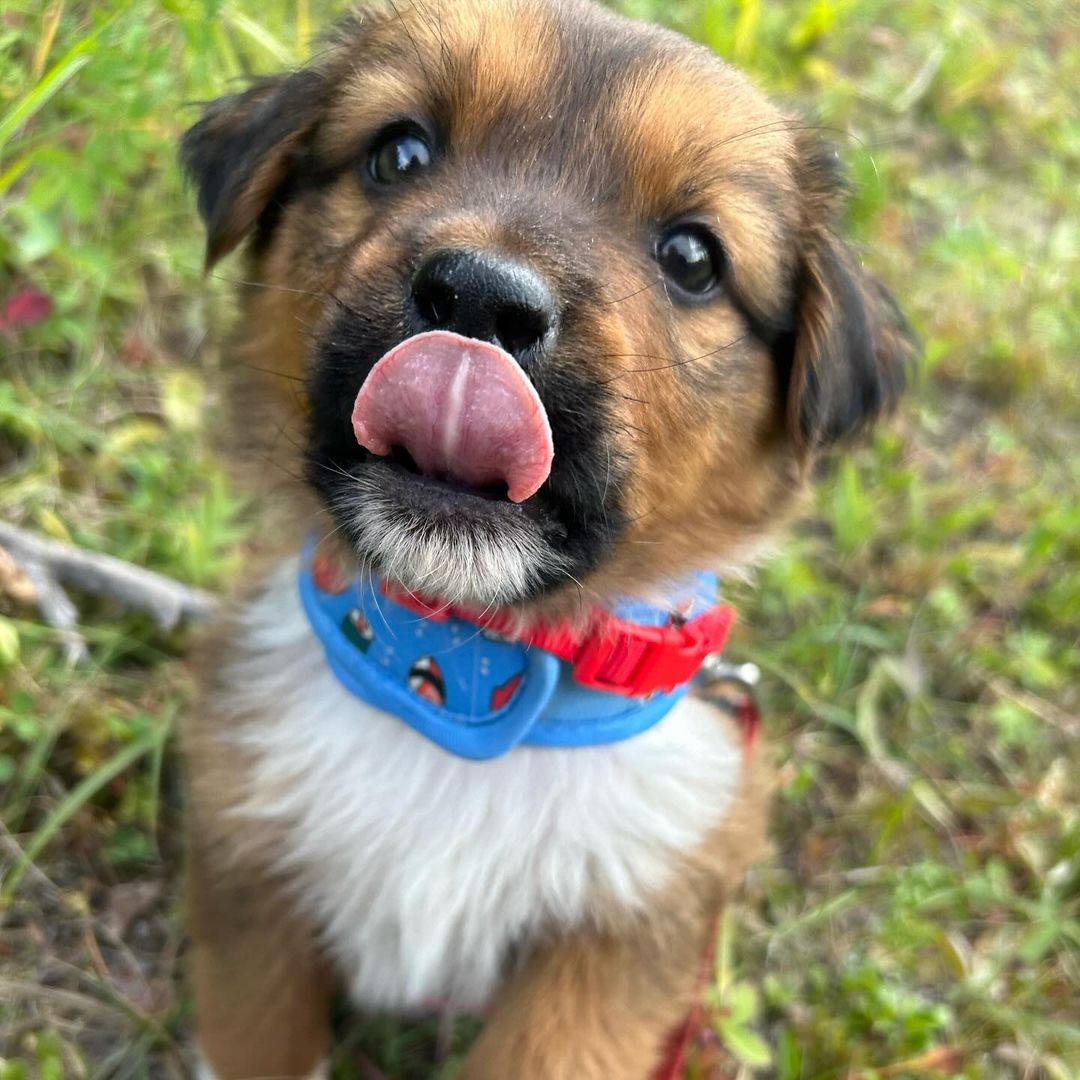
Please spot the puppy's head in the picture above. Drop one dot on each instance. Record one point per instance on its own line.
(587, 276)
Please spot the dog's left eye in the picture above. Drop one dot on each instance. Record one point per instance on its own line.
(398, 152)
(692, 258)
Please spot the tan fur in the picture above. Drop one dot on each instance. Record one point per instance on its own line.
(261, 986)
(714, 458)
(602, 1006)
(672, 443)
(596, 1005)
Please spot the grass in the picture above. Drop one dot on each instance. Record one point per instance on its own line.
(920, 913)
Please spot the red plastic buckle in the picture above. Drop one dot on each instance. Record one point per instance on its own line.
(621, 661)
(627, 658)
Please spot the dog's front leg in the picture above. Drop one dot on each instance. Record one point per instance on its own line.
(596, 1008)
(262, 990)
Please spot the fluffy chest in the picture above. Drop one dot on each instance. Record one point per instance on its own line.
(424, 870)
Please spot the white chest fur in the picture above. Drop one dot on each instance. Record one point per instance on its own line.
(423, 869)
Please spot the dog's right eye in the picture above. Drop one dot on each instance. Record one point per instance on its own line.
(397, 152)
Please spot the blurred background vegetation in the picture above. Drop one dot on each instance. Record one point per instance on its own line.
(920, 913)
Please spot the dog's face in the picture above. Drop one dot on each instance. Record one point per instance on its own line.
(597, 271)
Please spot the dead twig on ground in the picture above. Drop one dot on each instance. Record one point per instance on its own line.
(49, 565)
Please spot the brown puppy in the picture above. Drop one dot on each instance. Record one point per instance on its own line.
(655, 245)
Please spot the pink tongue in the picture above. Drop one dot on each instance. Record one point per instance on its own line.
(462, 409)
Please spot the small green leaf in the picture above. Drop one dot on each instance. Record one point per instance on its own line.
(746, 1044)
(741, 1002)
(9, 643)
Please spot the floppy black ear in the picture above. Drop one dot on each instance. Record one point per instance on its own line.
(241, 153)
(847, 357)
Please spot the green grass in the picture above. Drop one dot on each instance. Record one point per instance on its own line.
(920, 912)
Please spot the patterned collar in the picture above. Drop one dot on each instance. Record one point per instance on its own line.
(477, 693)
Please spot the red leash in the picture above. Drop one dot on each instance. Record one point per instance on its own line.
(673, 1064)
(744, 711)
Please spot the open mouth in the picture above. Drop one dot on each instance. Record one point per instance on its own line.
(456, 412)
(401, 461)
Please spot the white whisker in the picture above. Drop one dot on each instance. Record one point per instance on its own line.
(459, 561)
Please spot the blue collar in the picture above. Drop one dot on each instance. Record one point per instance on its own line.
(471, 691)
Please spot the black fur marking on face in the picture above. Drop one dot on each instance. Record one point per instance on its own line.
(577, 513)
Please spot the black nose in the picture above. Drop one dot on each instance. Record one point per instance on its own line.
(483, 295)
